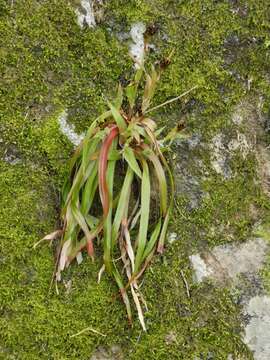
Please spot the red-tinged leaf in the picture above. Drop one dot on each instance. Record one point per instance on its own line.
(102, 169)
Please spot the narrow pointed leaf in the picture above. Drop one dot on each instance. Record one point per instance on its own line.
(162, 182)
(122, 203)
(121, 124)
(107, 229)
(123, 293)
(166, 220)
(89, 190)
(131, 160)
(131, 89)
(145, 208)
(119, 98)
(153, 240)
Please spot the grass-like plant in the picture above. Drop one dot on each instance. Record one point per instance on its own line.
(119, 193)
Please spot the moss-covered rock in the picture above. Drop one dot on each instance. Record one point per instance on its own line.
(49, 64)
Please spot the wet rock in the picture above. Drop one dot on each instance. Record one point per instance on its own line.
(239, 9)
(266, 124)
(189, 186)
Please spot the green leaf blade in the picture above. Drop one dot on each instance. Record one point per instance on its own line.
(121, 124)
(130, 158)
(144, 219)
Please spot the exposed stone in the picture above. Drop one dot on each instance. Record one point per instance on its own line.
(220, 156)
(189, 171)
(222, 150)
(257, 331)
(226, 262)
(263, 158)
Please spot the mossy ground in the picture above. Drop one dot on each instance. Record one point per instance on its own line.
(48, 63)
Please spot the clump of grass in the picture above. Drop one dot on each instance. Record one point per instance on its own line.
(120, 147)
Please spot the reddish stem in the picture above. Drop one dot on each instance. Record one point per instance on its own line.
(102, 169)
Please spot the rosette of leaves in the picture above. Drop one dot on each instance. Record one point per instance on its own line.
(108, 197)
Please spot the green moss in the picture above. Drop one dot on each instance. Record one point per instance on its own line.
(49, 63)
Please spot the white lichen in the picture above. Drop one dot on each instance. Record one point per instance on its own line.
(137, 48)
(200, 267)
(172, 237)
(68, 129)
(86, 15)
(240, 144)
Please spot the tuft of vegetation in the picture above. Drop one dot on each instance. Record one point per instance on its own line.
(122, 146)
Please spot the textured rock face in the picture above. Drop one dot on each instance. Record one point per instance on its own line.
(230, 262)
(226, 262)
(257, 332)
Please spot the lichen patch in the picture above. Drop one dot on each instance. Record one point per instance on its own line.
(68, 129)
(136, 48)
(86, 15)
